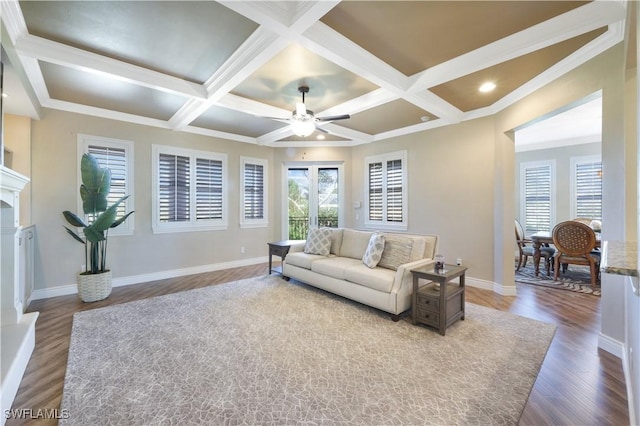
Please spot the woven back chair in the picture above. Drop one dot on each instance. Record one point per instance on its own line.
(524, 250)
(575, 242)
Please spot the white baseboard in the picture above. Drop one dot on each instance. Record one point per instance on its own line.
(18, 342)
(68, 289)
(613, 346)
(491, 286)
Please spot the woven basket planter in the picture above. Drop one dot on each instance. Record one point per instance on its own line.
(94, 287)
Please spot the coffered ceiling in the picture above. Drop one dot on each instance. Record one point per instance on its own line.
(231, 69)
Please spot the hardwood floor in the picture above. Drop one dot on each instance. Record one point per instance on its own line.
(577, 385)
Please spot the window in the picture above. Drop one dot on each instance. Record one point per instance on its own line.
(253, 184)
(586, 187)
(537, 183)
(116, 155)
(386, 185)
(189, 190)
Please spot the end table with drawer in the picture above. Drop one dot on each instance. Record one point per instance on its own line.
(440, 302)
(280, 248)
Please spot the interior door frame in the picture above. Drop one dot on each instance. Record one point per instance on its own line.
(313, 166)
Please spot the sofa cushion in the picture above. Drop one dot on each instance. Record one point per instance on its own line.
(374, 250)
(336, 240)
(334, 266)
(302, 260)
(376, 278)
(417, 250)
(397, 251)
(318, 241)
(354, 243)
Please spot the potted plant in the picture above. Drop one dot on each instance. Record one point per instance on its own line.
(95, 282)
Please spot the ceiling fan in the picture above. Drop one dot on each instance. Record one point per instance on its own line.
(302, 120)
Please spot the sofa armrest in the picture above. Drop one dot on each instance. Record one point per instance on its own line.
(403, 282)
(297, 247)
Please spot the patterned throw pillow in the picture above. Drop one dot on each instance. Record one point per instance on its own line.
(374, 250)
(397, 251)
(318, 241)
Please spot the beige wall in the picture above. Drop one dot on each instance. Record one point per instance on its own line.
(55, 188)
(450, 190)
(17, 139)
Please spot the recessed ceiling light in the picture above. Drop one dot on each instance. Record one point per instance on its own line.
(4, 95)
(425, 118)
(320, 137)
(487, 87)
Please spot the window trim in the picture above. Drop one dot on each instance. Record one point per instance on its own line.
(575, 161)
(254, 223)
(193, 225)
(552, 185)
(384, 224)
(84, 141)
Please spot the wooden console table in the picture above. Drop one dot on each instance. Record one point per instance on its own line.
(440, 302)
(280, 248)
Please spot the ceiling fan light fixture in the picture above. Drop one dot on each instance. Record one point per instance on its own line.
(302, 128)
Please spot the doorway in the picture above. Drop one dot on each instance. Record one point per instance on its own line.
(314, 198)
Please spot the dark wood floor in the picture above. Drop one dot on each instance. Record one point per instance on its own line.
(577, 385)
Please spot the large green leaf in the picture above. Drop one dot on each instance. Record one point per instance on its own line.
(122, 219)
(96, 183)
(74, 235)
(73, 219)
(108, 217)
(93, 235)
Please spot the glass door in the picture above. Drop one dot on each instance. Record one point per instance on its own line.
(314, 198)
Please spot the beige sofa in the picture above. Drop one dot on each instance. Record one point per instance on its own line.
(387, 286)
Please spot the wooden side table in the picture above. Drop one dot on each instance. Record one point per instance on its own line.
(280, 248)
(440, 302)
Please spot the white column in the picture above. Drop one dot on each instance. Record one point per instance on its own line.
(17, 331)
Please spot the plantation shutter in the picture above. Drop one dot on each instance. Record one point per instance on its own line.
(394, 191)
(208, 189)
(174, 180)
(537, 186)
(375, 191)
(253, 191)
(116, 160)
(588, 181)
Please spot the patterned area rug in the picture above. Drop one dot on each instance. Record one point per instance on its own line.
(577, 279)
(265, 351)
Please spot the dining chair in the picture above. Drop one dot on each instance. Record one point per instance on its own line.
(524, 250)
(575, 242)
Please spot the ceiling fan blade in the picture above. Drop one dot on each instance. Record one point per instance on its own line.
(301, 110)
(334, 117)
(320, 129)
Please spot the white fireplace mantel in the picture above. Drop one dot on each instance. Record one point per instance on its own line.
(17, 330)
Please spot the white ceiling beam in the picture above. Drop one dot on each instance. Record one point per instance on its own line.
(274, 136)
(81, 60)
(104, 113)
(586, 18)
(261, 46)
(13, 20)
(219, 134)
(361, 103)
(577, 58)
(346, 133)
(333, 46)
(249, 106)
(36, 79)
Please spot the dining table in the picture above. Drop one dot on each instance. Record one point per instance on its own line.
(544, 238)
